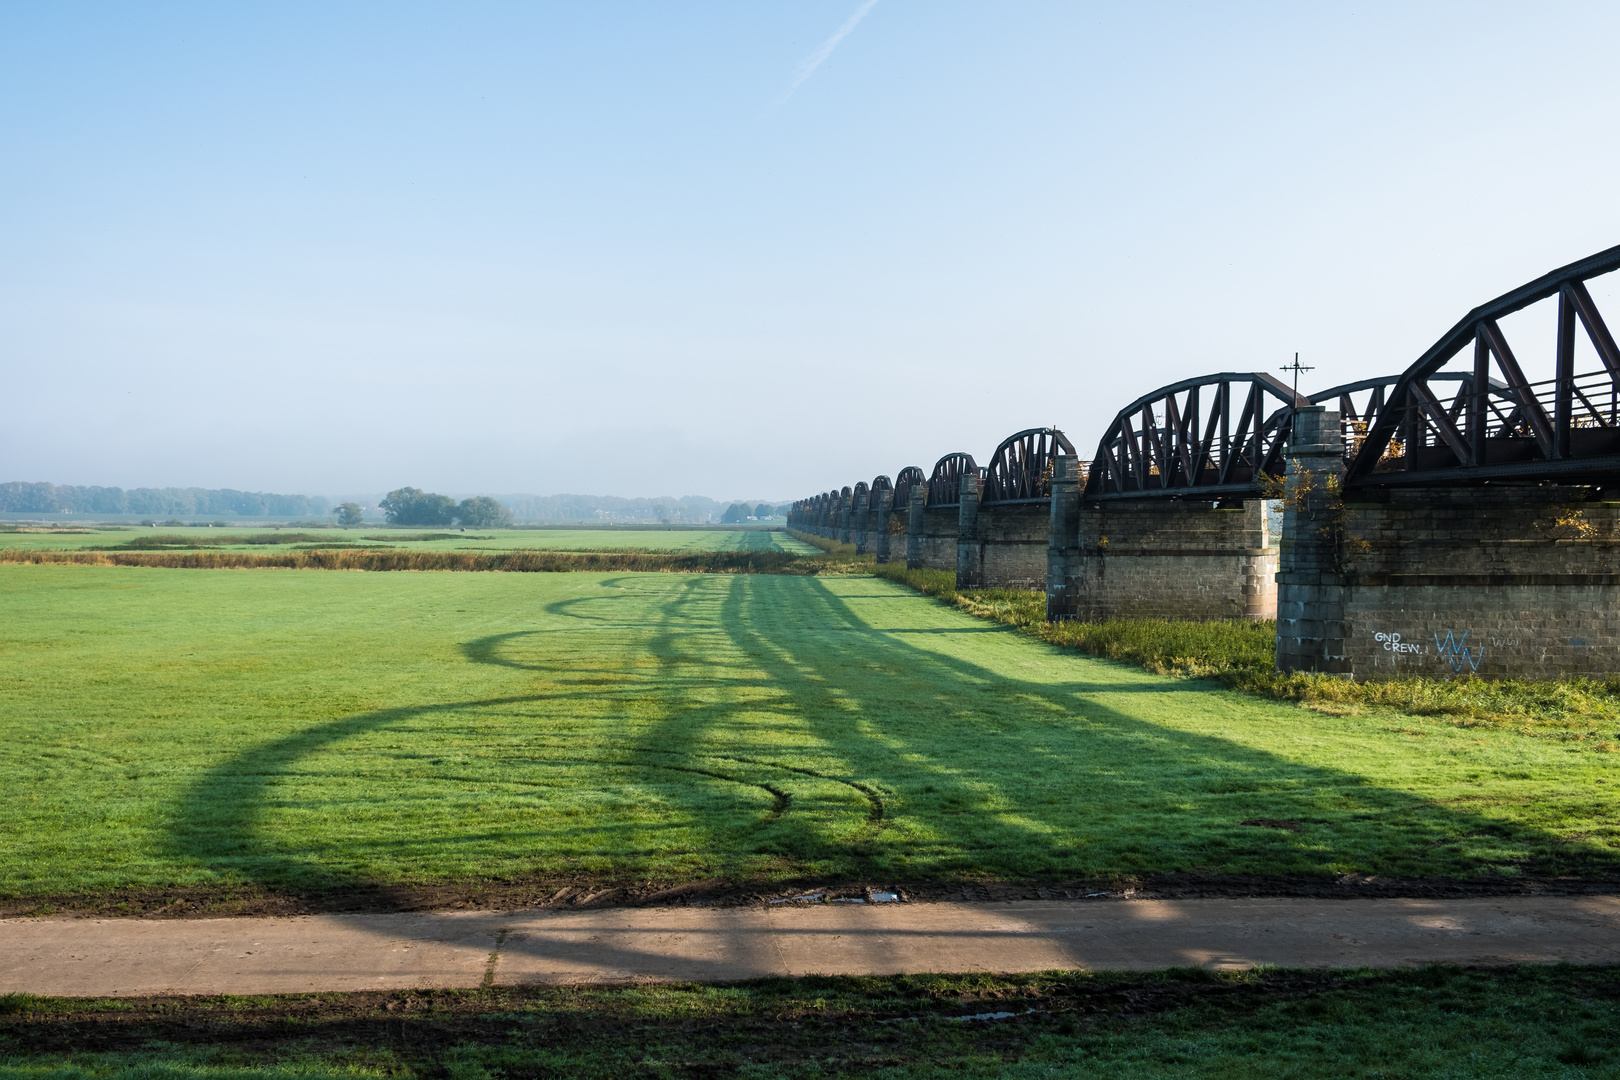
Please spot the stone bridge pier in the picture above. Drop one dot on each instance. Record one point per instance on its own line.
(1001, 545)
(969, 558)
(1310, 588)
(1156, 558)
(931, 538)
(880, 525)
(1506, 578)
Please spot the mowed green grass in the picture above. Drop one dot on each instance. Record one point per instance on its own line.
(310, 728)
(380, 537)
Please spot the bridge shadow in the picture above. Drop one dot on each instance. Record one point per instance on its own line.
(332, 808)
(761, 726)
(1088, 774)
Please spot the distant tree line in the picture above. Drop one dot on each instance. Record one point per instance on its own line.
(688, 510)
(413, 506)
(742, 512)
(24, 498)
(480, 512)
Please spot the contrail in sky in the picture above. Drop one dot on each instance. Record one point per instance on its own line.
(815, 59)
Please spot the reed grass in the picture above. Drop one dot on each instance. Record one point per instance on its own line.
(831, 547)
(691, 562)
(424, 537)
(837, 559)
(371, 537)
(170, 541)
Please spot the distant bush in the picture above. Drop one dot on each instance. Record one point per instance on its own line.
(483, 512)
(349, 514)
(413, 506)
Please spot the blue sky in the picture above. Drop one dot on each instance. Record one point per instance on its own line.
(641, 249)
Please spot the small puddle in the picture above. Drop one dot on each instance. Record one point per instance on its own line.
(821, 898)
(960, 1019)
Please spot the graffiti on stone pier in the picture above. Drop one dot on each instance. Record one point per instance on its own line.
(1458, 652)
(1453, 648)
(1393, 643)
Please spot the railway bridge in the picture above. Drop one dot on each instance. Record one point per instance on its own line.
(1456, 518)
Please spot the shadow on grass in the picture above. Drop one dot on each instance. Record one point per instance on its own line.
(1004, 777)
(759, 727)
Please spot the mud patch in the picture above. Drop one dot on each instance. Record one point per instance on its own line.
(430, 1021)
(1287, 824)
(588, 892)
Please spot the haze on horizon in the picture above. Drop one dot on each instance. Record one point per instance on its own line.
(735, 249)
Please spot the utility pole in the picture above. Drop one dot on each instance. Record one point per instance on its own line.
(1296, 367)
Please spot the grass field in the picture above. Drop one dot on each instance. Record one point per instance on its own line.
(133, 538)
(310, 730)
(1430, 1022)
(1241, 654)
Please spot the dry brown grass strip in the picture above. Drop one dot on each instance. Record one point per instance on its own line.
(702, 562)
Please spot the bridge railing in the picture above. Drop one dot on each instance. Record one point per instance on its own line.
(1508, 425)
(1224, 436)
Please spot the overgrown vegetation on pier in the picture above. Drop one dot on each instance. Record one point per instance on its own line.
(1241, 654)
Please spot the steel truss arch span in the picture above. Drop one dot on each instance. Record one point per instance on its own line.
(904, 481)
(945, 482)
(1506, 427)
(874, 498)
(1360, 403)
(1021, 468)
(1212, 437)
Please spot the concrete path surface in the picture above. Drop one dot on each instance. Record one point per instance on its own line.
(97, 957)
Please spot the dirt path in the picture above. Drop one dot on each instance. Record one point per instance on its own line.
(95, 957)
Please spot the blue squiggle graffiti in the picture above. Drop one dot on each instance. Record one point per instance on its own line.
(1457, 652)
